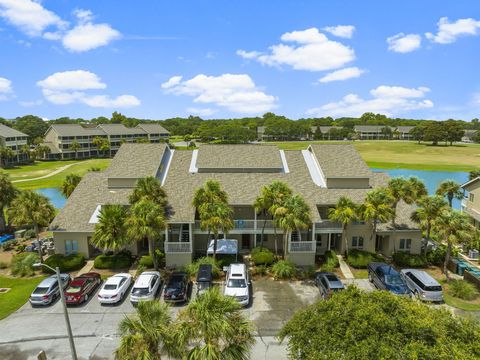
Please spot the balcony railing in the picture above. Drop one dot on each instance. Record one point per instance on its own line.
(178, 247)
(327, 224)
(301, 246)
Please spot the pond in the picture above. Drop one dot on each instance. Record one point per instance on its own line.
(55, 196)
(431, 178)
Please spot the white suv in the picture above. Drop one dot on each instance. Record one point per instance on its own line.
(237, 284)
(146, 287)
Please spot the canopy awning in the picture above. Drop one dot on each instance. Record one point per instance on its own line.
(224, 246)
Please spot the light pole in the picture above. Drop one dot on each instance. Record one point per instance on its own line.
(65, 312)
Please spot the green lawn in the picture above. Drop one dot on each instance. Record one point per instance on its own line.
(21, 288)
(461, 304)
(406, 154)
(359, 273)
(42, 168)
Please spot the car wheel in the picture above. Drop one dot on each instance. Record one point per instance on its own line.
(370, 278)
(417, 295)
(85, 298)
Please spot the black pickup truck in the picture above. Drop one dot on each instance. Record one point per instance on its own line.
(385, 277)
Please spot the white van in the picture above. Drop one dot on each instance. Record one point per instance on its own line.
(237, 284)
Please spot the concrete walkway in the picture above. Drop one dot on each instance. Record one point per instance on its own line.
(347, 274)
(45, 176)
(87, 268)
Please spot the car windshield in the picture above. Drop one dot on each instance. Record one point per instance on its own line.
(40, 290)
(393, 280)
(174, 286)
(140, 291)
(74, 289)
(110, 287)
(433, 288)
(237, 283)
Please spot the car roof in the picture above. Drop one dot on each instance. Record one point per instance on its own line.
(48, 281)
(423, 276)
(144, 279)
(237, 269)
(333, 279)
(115, 279)
(78, 281)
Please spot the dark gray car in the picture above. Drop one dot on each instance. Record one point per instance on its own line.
(328, 283)
(48, 291)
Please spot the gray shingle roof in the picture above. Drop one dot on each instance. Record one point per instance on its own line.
(136, 161)
(6, 131)
(340, 161)
(120, 129)
(75, 130)
(239, 157)
(404, 129)
(153, 128)
(369, 128)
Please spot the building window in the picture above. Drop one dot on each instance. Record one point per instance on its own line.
(357, 242)
(405, 244)
(71, 247)
(471, 197)
(319, 240)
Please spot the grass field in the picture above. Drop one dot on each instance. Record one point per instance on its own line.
(21, 288)
(406, 154)
(42, 168)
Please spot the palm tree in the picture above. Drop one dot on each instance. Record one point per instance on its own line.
(31, 208)
(7, 194)
(25, 149)
(70, 183)
(416, 188)
(110, 231)
(450, 189)
(453, 227)
(429, 208)
(151, 189)
(147, 334)
(376, 208)
(146, 221)
(292, 215)
(344, 212)
(102, 144)
(213, 327)
(6, 154)
(216, 217)
(75, 146)
(473, 174)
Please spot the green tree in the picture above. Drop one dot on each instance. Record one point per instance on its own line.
(377, 208)
(31, 208)
(453, 227)
(473, 174)
(6, 154)
(25, 149)
(101, 144)
(42, 151)
(416, 188)
(70, 183)
(429, 208)
(7, 194)
(147, 335)
(454, 130)
(75, 146)
(31, 125)
(379, 325)
(146, 221)
(212, 326)
(216, 217)
(149, 188)
(292, 215)
(344, 212)
(435, 132)
(110, 231)
(451, 190)
(418, 133)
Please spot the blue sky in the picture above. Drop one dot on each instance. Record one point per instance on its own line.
(159, 59)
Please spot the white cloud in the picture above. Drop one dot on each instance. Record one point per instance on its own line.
(5, 89)
(448, 32)
(29, 16)
(69, 87)
(387, 100)
(201, 111)
(88, 36)
(344, 31)
(235, 92)
(30, 103)
(312, 51)
(402, 43)
(342, 74)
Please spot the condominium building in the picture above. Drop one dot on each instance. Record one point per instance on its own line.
(14, 140)
(471, 200)
(321, 175)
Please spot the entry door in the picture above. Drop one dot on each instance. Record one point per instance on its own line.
(246, 241)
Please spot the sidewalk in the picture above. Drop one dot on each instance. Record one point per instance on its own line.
(347, 274)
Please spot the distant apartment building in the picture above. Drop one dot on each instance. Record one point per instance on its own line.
(468, 135)
(14, 140)
(59, 138)
(471, 200)
(403, 132)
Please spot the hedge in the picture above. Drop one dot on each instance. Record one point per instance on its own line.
(437, 256)
(284, 269)
(22, 264)
(65, 263)
(117, 261)
(262, 256)
(146, 261)
(410, 260)
(331, 258)
(192, 268)
(360, 259)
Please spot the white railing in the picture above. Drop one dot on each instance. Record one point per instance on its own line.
(239, 224)
(327, 224)
(301, 246)
(178, 247)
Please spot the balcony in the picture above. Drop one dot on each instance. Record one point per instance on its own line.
(301, 247)
(178, 247)
(327, 224)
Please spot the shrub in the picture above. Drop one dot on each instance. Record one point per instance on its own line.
(437, 256)
(410, 260)
(284, 269)
(462, 289)
(192, 268)
(22, 264)
(307, 272)
(117, 261)
(65, 263)
(360, 259)
(260, 270)
(146, 261)
(9, 244)
(3, 265)
(262, 256)
(29, 234)
(140, 269)
(226, 260)
(331, 258)
(20, 248)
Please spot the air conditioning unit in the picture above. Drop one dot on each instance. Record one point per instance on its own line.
(473, 254)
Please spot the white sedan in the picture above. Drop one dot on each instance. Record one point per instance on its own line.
(114, 288)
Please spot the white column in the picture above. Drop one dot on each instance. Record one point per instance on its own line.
(166, 233)
(190, 234)
(255, 229)
(329, 241)
(313, 232)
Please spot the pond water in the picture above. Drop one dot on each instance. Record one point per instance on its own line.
(55, 196)
(431, 178)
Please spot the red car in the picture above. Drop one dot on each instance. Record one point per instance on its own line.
(81, 288)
